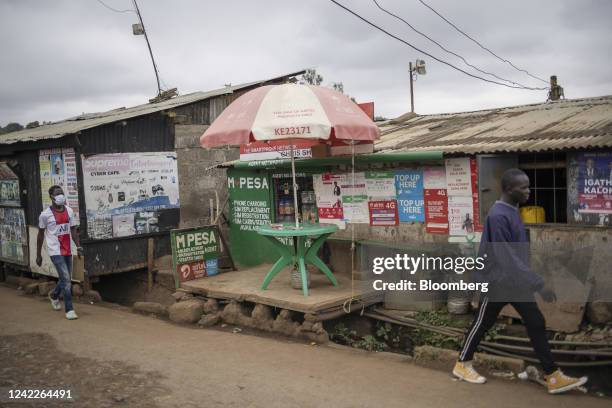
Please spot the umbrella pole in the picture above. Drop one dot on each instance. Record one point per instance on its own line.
(295, 200)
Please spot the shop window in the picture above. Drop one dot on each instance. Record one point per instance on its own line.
(283, 198)
(548, 177)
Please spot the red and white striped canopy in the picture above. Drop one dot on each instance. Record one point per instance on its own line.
(289, 111)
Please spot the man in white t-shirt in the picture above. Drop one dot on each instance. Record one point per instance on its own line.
(56, 225)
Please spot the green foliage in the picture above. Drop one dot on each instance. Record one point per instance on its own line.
(371, 343)
(343, 335)
(434, 317)
(494, 331)
(11, 127)
(422, 337)
(426, 337)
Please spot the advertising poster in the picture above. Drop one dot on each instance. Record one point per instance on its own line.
(58, 167)
(458, 177)
(460, 215)
(9, 187)
(436, 211)
(380, 185)
(434, 178)
(436, 200)
(595, 183)
(355, 199)
(383, 213)
(194, 253)
(328, 192)
(410, 195)
(9, 193)
(13, 236)
(126, 191)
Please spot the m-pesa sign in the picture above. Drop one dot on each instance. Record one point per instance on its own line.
(195, 252)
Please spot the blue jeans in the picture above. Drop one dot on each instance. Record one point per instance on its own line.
(63, 265)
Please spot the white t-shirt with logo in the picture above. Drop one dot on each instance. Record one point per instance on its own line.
(57, 229)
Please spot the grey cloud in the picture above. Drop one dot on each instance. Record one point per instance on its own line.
(66, 57)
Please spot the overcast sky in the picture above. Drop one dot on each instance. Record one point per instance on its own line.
(64, 57)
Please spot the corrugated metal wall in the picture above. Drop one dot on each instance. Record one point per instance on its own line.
(151, 133)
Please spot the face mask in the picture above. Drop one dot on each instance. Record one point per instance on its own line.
(59, 199)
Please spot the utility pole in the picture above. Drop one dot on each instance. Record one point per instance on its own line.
(144, 31)
(418, 69)
(411, 91)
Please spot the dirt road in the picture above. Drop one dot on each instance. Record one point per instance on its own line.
(115, 358)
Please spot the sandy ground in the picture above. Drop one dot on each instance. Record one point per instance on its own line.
(115, 358)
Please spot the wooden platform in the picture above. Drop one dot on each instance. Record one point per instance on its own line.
(244, 285)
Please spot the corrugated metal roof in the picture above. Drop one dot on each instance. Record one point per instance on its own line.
(566, 124)
(92, 120)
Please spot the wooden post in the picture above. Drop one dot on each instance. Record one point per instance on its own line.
(150, 257)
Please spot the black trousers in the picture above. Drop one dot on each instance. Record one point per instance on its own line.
(532, 318)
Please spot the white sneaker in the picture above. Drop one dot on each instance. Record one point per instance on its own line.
(71, 315)
(55, 303)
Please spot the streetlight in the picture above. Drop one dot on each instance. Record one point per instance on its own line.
(418, 69)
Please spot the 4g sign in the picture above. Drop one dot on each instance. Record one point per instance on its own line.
(383, 213)
(194, 253)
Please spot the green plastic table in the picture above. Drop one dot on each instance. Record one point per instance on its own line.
(301, 255)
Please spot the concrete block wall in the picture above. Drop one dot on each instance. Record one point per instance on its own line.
(196, 185)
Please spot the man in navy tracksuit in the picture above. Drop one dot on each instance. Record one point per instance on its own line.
(505, 247)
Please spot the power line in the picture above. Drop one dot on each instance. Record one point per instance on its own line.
(144, 30)
(114, 9)
(447, 50)
(480, 45)
(423, 52)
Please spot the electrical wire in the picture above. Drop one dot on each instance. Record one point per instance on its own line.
(445, 49)
(480, 45)
(114, 9)
(426, 53)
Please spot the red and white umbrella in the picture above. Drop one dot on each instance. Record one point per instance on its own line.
(290, 111)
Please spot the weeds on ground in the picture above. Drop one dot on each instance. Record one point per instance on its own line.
(377, 342)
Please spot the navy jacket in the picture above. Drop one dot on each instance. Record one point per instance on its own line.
(505, 246)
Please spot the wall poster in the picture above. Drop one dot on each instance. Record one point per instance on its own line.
(124, 192)
(436, 200)
(58, 167)
(589, 184)
(410, 195)
(13, 236)
(9, 187)
(355, 199)
(329, 192)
